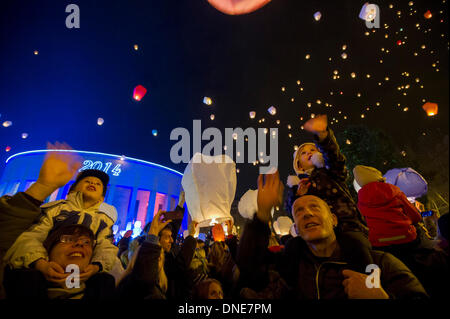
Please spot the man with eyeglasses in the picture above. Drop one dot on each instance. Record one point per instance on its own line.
(69, 247)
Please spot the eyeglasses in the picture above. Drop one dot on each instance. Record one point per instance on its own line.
(72, 239)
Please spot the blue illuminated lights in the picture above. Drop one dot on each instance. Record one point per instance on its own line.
(118, 157)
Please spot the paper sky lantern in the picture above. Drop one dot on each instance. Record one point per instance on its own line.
(252, 114)
(399, 42)
(155, 132)
(368, 12)
(218, 233)
(248, 204)
(100, 121)
(408, 180)
(233, 7)
(7, 123)
(24, 135)
(317, 15)
(8, 148)
(344, 55)
(430, 108)
(139, 92)
(209, 183)
(212, 117)
(272, 110)
(282, 225)
(427, 14)
(207, 100)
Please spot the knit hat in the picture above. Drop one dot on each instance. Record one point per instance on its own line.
(95, 173)
(296, 163)
(365, 175)
(75, 229)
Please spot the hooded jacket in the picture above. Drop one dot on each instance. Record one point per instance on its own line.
(389, 214)
(28, 247)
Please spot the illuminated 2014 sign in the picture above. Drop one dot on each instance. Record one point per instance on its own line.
(88, 164)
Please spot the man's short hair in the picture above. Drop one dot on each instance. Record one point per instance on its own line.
(75, 229)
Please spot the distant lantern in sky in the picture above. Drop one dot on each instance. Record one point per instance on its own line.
(136, 47)
(344, 47)
(344, 55)
(252, 114)
(430, 108)
(427, 14)
(8, 148)
(7, 123)
(399, 42)
(139, 92)
(207, 100)
(36, 52)
(272, 110)
(353, 75)
(368, 12)
(317, 15)
(100, 121)
(307, 57)
(155, 132)
(24, 135)
(212, 117)
(233, 7)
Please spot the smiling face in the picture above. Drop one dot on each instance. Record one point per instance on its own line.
(74, 250)
(313, 218)
(91, 187)
(304, 156)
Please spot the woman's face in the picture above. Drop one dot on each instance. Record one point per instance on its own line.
(215, 291)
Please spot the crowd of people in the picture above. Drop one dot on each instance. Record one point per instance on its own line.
(378, 247)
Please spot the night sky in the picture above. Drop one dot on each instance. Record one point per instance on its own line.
(188, 50)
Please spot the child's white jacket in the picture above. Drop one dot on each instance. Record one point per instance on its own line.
(28, 247)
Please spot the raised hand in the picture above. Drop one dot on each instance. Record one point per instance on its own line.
(158, 224)
(57, 170)
(318, 126)
(192, 228)
(270, 194)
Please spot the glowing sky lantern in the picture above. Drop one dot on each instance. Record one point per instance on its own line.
(427, 14)
(155, 132)
(282, 225)
(272, 110)
(430, 108)
(233, 7)
(212, 117)
(8, 148)
(7, 123)
(139, 92)
(24, 135)
(368, 12)
(317, 15)
(218, 233)
(344, 55)
(207, 100)
(209, 183)
(100, 121)
(252, 114)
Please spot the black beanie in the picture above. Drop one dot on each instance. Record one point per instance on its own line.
(95, 173)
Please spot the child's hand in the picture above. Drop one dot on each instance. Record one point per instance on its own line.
(303, 186)
(318, 126)
(52, 271)
(89, 271)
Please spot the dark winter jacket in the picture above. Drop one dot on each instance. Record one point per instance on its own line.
(329, 184)
(389, 214)
(310, 277)
(143, 281)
